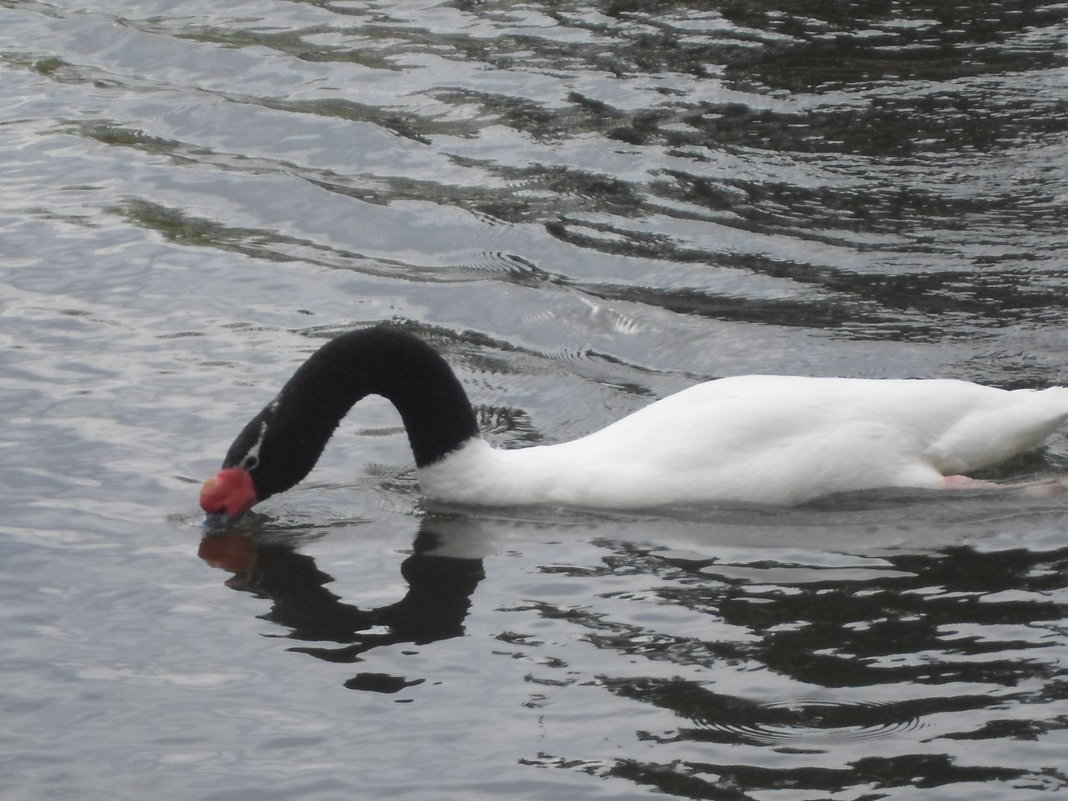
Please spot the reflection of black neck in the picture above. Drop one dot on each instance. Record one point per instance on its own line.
(434, 608)
(300, 599)
(438, 597)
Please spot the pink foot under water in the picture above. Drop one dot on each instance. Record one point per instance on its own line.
(1048, 488)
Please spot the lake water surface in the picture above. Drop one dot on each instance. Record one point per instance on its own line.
(584, 206)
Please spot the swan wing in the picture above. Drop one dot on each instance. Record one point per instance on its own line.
(787, 439)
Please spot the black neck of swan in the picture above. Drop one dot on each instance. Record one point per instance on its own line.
(281, 444)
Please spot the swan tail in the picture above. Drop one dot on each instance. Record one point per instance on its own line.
(994, 433)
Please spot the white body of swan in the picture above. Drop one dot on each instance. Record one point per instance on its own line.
(763, 439)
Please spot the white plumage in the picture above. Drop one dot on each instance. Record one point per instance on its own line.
(763, 439)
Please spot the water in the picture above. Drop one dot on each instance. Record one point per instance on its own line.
(584, 206)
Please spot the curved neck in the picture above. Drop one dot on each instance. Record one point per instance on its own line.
(282, 443)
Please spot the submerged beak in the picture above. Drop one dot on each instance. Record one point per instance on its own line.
(218, 520)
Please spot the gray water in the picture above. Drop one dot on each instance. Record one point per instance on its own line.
(585, 206)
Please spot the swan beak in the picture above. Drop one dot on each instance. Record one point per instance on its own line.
(226, 496)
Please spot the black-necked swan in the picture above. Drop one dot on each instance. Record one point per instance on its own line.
(752, 439)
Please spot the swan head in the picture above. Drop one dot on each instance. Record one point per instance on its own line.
(281, 444)
(227, 495)
(257, 466)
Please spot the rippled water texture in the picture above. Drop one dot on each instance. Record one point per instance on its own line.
(585, 206)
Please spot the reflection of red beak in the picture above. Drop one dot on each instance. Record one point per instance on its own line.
(232, 552)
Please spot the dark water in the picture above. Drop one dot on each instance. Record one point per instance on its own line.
(585, 206)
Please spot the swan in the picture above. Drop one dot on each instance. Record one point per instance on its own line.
(761, 439)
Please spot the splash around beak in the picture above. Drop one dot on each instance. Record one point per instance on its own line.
(226, 496)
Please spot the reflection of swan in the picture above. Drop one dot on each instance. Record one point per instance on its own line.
(434, 608)
(760, 439)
